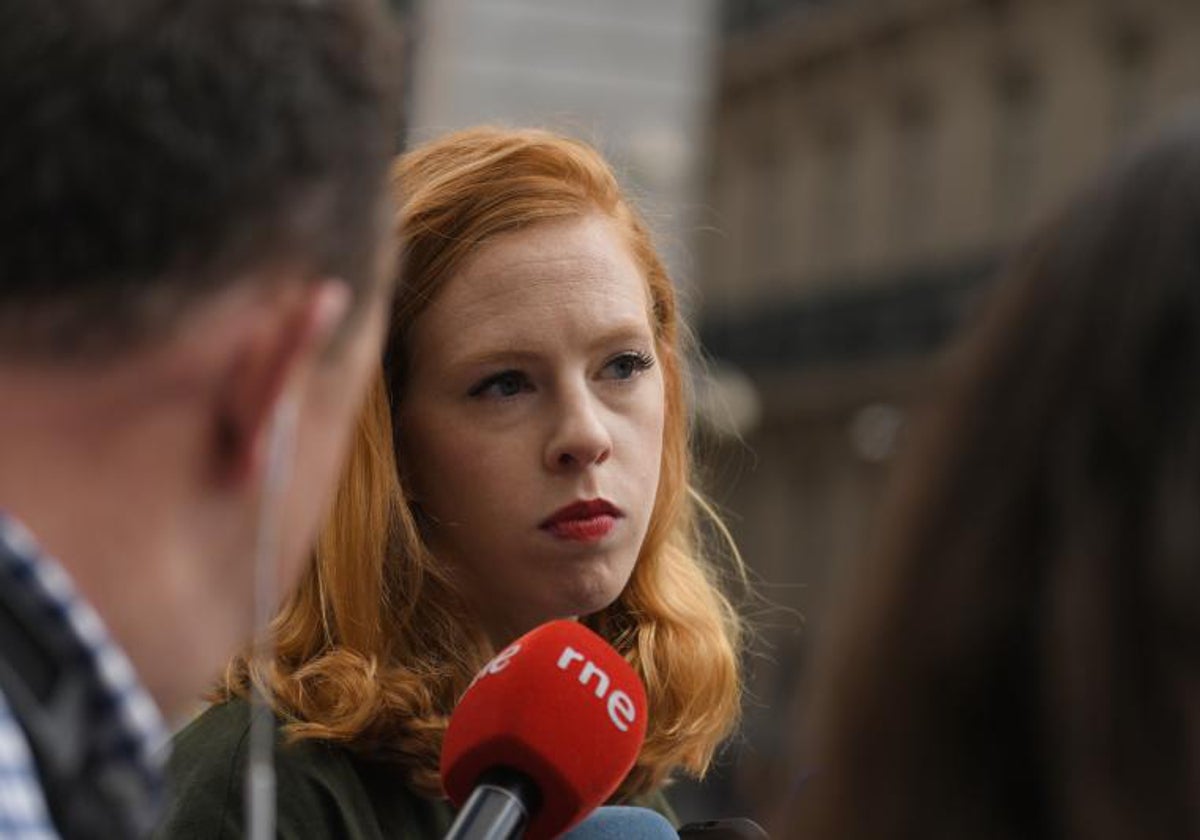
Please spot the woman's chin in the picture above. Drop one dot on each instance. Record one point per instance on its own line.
(571, 609)
(589, 603)
(569, 600)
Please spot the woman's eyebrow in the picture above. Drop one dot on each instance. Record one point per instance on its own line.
(634, 331)
(493, 356)
(629, 331)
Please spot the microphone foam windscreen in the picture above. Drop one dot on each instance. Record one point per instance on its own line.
(623, 822)
(558, 705)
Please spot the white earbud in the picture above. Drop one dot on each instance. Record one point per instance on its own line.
(260, 761)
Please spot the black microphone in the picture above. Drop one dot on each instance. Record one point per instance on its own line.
(733, 828)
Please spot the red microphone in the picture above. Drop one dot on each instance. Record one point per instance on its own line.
(543, 736)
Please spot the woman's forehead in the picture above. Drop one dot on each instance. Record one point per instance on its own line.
(577, 274)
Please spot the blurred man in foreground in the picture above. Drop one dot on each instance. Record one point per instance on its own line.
(192, 290)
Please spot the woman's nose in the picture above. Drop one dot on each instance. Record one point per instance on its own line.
(580, 437)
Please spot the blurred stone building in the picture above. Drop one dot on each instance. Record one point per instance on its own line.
(629, 76)
(870, 163)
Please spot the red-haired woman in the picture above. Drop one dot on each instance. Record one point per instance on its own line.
(525, 457)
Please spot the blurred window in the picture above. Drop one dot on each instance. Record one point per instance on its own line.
(913, 176)
(742, 15)
(1131, 57)
(837, 204)
(769, 213)
(1018, 106)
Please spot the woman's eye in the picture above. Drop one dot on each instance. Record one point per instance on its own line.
(506, 384)
(628, 365)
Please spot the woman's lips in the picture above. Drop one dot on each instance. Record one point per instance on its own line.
(585, 521)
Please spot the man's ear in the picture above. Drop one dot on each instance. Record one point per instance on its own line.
(277, 353)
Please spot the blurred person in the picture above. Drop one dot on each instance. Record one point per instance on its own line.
(194, 274)
(523, 457)
(1020, 657)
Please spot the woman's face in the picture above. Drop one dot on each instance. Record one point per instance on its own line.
(531, 425)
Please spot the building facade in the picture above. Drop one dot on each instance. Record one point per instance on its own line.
(871, 162)
(631, 77)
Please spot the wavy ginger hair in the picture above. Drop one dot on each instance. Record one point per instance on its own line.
(372, 649)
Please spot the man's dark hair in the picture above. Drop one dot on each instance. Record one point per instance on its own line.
(154, 151)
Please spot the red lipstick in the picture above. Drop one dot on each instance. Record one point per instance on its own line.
(586, 521)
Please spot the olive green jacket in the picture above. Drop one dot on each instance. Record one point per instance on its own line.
(324, 791)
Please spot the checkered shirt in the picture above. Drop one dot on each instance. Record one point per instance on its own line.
(125, 733)
(23, 814)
